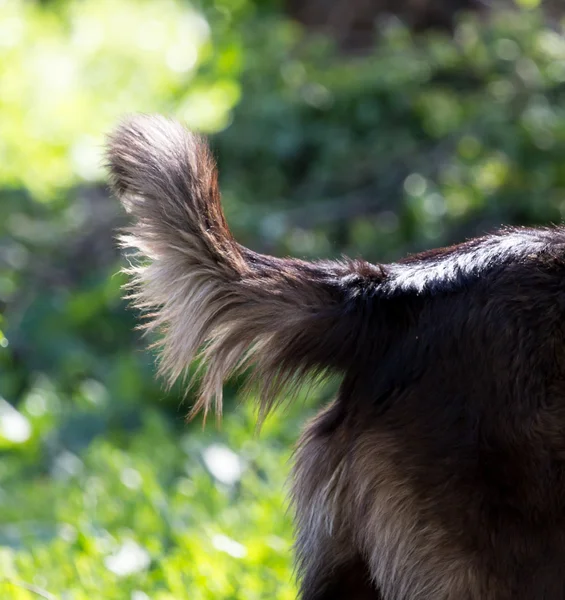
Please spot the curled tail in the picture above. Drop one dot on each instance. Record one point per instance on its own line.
(204, 292)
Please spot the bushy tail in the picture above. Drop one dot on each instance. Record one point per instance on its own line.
(203, 291)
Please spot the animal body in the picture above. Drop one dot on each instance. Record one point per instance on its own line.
(438, 473)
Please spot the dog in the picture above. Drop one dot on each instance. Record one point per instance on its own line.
(438, 472)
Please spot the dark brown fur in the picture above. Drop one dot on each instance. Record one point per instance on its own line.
(438, 473)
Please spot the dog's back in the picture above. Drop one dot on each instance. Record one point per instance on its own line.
(438, 472)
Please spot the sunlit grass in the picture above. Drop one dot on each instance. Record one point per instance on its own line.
(166, 511)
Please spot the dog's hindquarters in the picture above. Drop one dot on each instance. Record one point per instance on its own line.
(438, 473)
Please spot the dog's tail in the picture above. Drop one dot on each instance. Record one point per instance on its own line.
(203, 291)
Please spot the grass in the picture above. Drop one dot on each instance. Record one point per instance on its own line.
(164, 511)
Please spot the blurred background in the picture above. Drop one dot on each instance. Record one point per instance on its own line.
(364, 127)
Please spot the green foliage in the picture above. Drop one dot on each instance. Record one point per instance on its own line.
(71, 69)
(421, 142)
(158, 511)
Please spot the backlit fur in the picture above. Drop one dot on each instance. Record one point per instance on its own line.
(438, 473)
